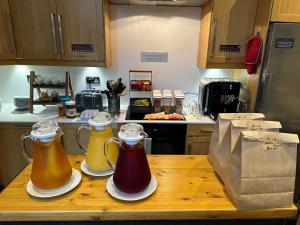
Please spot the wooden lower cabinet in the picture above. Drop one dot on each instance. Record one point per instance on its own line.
(12, 160)
(71, 145)
(198, 145)
(198, 139)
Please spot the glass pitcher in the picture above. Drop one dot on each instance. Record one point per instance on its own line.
(132, 173)
(50, 165)
(100, 132)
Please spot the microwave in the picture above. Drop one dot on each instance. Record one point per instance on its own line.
(218, 96)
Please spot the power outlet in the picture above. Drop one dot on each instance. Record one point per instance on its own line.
(93, 80)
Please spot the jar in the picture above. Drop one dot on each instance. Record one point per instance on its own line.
(70, 110)
(179, 98)
(167, 100)
(60, 110)
(157, 97)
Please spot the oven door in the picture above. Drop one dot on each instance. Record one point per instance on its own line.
(166, 138)
(166, 146)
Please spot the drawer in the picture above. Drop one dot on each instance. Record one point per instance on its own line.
(200, 130)
(198, 145)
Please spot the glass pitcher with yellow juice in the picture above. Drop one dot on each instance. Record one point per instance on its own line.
(50, 165)
(100, 132)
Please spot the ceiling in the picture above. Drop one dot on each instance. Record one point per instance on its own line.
(189, 3)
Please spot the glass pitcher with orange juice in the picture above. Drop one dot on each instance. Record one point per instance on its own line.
(100, 132)
(50, 165)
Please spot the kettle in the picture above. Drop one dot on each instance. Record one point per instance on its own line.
(50, 165)
(132, 173)
(100, 132)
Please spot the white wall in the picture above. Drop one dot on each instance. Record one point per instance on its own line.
(133, 29)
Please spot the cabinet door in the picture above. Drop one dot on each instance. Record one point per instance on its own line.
(200, 130)
(71, 145)
(232, 24)
(286, 11)
(12, 161)
(198, 139)
(198, 145)
(7, 41)
(35, 28)
(81, 32)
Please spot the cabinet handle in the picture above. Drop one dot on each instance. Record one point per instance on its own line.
(206, 130)
(213, 48)
(11, 33)
(60, 34)
(53, 34)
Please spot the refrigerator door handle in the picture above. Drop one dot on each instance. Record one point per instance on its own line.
(266, 89)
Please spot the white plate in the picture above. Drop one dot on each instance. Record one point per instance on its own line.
(116, 193)
(42, 193)
(85, 169)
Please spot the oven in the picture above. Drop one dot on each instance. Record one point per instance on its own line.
(166, 138)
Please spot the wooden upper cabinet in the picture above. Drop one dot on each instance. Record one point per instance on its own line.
(81, 29)
(225, 28)
(286, 11)
(7, 41)
(34, 25)
(62, 32)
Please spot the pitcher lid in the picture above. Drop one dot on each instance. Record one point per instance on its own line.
(100, 119)
(44, 129)
(131, 132)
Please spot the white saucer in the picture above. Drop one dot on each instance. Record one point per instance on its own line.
(116, 193)
(42, 193)
(86, 170)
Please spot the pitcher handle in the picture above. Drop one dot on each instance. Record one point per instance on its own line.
(145, 134)
(62, 137)
(111, 140)
(24, 149)
(83, 149)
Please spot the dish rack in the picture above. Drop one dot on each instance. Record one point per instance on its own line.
(67, 86)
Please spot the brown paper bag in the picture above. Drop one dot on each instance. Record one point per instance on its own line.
(237, 126)
(221, 129)
(231, 137)
(262, 169)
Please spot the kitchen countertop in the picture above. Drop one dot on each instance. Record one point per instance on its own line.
(188, 188)
(9, 115)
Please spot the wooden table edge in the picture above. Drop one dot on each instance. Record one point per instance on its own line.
(279, 213)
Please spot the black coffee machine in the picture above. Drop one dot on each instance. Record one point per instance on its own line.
(218, 96)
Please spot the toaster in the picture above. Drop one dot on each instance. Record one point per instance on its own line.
(89, 99)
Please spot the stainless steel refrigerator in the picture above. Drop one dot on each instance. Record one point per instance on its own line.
(279, 90)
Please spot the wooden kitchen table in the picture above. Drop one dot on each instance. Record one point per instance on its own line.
(188, 189)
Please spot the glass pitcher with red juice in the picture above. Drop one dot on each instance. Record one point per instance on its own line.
(132, 173)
